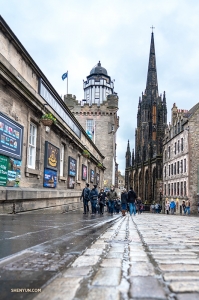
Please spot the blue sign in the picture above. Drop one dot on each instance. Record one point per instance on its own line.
(50, 178)
(11, 137)
(72, 166)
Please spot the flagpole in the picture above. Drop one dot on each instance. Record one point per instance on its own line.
(67, 82)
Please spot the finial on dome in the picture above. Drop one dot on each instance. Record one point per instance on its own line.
(99, 63)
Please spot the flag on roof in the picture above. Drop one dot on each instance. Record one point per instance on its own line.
(65, 75)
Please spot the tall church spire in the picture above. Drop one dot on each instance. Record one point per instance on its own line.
(152, 82)
(128, 156)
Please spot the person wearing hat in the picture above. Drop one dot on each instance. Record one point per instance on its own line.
(102, 201)
(93, 196)
(124, 198)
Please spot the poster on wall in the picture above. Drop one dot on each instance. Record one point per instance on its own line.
(71, 182)
(3, 170)
(72, 166)
(51, 156)
(97, 178)
(11, 137)
(50, 178)
(92, 176)
(14, 172)
(84, 172)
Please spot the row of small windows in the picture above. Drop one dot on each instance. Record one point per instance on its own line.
(176, 168)
(176, 189)
(178, 147)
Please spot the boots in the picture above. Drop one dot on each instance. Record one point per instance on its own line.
(123, 213)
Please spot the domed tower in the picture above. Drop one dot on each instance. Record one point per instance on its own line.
(98, 85)
(97, 113)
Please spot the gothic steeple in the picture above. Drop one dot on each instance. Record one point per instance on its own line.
(152, 82)
(128, 156)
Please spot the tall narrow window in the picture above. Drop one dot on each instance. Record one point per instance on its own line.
(169, 170)
(178, 188)
(185, 165)
(165, 171)
(175, 148)
(61, 173)
(169, 152)
(90, 129)
(165, 155)
(181, 188)
(178, 146)
(174, 168)
(165, 189)
(174, 188)
(181, 166)
(32, 146)
(169, 191)
(178, 167)
(185, 188)
(182, 145)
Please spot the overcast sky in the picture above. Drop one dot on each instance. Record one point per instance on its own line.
(74, 35)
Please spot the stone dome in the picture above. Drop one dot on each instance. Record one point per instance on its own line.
(98, 69)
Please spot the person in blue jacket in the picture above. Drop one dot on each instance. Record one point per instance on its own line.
(172, 206)
(93, 196)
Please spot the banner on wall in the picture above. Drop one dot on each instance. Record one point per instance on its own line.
(11, 137)
(50, 178)
(92, 176)
(97, 178)
(71, 182)
(72, 166)
(51, 156)
(84, 172)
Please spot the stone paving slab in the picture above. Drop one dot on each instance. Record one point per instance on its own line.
(84, 260)
(141, 269)
(189, 286)
(107, 277)
(103, 293)
(116, 262)
(188, 296)
(146, 287)
(76, 272)
(181, 276)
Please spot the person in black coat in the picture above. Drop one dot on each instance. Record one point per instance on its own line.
(102, 201)
(124, 199)
(132, 201)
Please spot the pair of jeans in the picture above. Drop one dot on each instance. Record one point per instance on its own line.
(111, 206)
(187, 210)
(86, 207)
(93, 206)
(132, 208)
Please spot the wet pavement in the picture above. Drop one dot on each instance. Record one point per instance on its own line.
(36, 246)
(146, 257)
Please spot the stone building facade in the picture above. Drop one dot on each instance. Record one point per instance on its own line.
(40, 166)
(121, 181)
(97, 114)
(144, 167)
(181, 158)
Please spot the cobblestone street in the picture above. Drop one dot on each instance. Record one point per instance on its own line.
(149, 256)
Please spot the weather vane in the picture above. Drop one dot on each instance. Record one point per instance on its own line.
(152, 28)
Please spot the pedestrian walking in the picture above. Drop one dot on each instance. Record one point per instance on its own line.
(132, 201)
(167, 206)
(152, 208)
(184, 207)
(172, 206)
(187, 204)
(93, 198)
(112, 196)
(124, 198)
(85, 196)
(139, 204)
(102, 201)
(156, 208)
(117, 206)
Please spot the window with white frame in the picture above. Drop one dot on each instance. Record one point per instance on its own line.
(90, 129)
(61, 170)
(32, 146)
